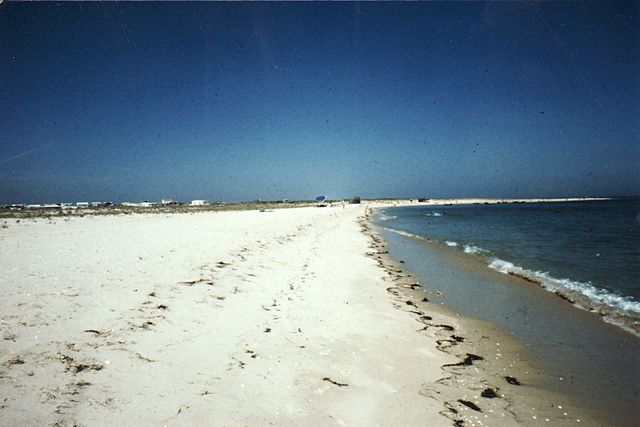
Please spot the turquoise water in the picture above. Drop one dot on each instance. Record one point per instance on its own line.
(588, 252)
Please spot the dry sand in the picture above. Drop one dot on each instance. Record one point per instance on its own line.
(227, 318)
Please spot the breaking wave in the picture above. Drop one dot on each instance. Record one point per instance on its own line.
(623, 311)
(471, 249)
(405, 234)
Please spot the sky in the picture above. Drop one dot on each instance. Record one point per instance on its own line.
(239, 101)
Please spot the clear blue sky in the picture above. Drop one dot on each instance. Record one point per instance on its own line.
(238, 101)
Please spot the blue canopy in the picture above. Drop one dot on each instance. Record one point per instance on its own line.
(321, 198)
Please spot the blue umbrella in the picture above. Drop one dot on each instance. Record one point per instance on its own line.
(321, 198)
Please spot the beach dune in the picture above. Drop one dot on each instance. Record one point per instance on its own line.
(213, 318)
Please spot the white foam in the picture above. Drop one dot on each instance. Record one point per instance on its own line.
(504, 266)
(620, 324)
(598, 296)
(403, 233)
(452, 244)
(387, 218)
(433, 214)
(471, 249)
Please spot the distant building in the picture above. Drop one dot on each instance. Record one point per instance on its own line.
(148, 204)
(82, 204)
(167, 202)
(199, 203)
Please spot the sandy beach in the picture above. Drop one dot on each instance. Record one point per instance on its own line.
(231, 318)
(319, 214)
(286, 317)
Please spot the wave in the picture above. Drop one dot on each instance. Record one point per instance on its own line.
(620, 310)
(387, 218)
(404, 233)
(471, 249)
(434, 214)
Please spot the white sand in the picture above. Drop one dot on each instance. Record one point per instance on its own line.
(248, 343)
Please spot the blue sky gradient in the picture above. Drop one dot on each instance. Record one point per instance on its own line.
(238, 101)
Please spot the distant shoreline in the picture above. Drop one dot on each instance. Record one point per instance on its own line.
(487, 201)
(51, 210)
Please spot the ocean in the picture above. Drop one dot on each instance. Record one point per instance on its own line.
(562, 278)
(586, 252)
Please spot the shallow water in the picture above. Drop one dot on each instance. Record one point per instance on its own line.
(587, 251)
(595, 363)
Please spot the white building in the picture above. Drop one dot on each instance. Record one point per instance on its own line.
(199, 203)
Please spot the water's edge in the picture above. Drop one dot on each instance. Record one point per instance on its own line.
(549, 384)
(617, 310)
(492, 360)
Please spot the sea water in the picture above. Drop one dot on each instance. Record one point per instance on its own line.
(587, 252)
(560, 277)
